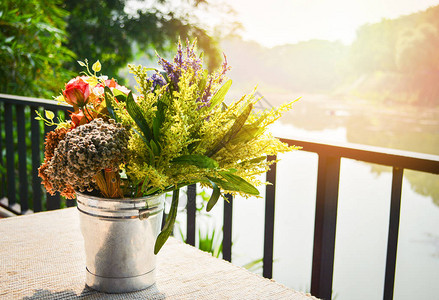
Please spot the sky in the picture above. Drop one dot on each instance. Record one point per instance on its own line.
(278, 22)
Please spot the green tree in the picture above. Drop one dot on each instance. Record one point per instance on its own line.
(417, 49)
(112, 30)
(373, 49)
(31, 50)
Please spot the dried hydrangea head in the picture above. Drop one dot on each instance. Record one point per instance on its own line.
(85, 151)
(52, 140)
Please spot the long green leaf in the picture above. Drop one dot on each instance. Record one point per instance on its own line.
(246, 134)
(254, 160)
(236, 127)
(155, 148)
(169, 226)
(119, 95)
(220, 94)
(254, 265)
(148, 147)
(198, 160)
(240, 183)
(136, 113)
(214, 197)
(109, 102)
(223, 184)
(158, 120)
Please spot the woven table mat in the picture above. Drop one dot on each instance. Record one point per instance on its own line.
(42, 257)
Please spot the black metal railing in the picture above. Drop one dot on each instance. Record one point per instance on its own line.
(21, 148)
(326, 208)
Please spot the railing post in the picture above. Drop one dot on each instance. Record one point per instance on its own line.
(227, 228)
(191, 210)
(2, 163)
(36, 160)
(270, 194)
(392, 241)
(10, 166)
(325, 226)
(22, 159)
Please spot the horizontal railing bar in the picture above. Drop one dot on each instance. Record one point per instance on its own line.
(22, 100)
(15, 210)
(377, 155)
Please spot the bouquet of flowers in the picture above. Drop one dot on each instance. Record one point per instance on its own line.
(176, 130)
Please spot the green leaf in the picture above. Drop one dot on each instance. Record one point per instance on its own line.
(198, 160)
(214, 197)
(236, 127)
(220, 94)
(49, 114)
(108, 101)
(254, 265)
(136, 113)
(255, 160)
(223, 184)
(155, 148)
(158, 120)
(120, 96)
(246, 134)
(169, 226)
(240, 183)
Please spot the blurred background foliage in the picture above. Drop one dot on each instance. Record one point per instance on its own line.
(32, 53)
(41, 40)
(392, 61)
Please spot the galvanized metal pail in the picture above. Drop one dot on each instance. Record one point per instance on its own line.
(119, 237)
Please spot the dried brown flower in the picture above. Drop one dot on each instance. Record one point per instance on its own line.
(52, 140)
(85, 151)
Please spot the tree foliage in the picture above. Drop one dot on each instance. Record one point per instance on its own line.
(417, 49)
(110, 30)
(408, 43)
(31, 55)
(398, 59)
(41, 40)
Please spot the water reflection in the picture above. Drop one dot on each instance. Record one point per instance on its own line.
(408, 128)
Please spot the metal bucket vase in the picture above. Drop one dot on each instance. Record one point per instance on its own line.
(119, 237)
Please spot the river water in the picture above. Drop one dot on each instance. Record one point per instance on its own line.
(364, 202)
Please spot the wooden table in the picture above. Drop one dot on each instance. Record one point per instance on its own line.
(42, 257)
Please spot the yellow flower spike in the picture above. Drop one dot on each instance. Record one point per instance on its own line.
(96, 66)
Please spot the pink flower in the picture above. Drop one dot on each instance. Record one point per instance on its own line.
(77, 92)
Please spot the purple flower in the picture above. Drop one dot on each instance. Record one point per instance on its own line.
(181, 62)
(207, 93)
(157, 79)
(186, 59)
